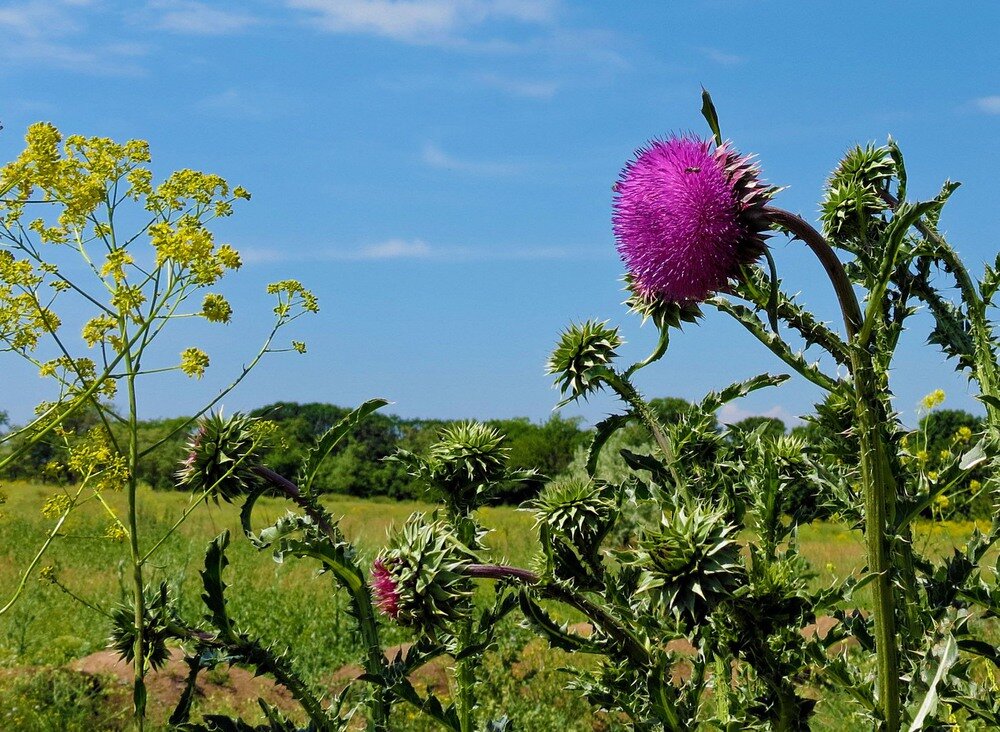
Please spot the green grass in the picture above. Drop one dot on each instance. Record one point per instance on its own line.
(283, 603)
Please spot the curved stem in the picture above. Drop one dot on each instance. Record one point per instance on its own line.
(877, 477)
(360, 594)
(802, 229)
(631, 644)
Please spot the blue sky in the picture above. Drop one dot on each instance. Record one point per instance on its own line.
(439, 171)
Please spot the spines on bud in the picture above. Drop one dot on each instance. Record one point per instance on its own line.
(582, 350)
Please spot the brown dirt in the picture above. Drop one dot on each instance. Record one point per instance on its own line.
(229, 688)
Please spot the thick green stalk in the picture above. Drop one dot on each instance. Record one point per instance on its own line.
(878, 482)
(139, 650)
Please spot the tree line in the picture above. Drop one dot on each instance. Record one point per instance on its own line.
(360, 465)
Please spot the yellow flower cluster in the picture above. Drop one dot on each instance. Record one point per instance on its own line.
(56, 505)
(95, 458)
(934, 399)
(194, 361)
(23, 318)
(96, 329)
(289, 292)
(116, 532)
(216, 309)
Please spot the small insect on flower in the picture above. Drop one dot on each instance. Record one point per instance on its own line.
(687, 215)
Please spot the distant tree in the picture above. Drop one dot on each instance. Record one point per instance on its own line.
(773, 427)
(548, 448)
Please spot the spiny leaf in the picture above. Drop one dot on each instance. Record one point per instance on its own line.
(332, 437)
(215, 588)
(710, 115)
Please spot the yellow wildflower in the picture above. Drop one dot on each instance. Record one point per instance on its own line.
(55, 506)
(933, 399)
(216, 309)
(194, 361)
(116, 532)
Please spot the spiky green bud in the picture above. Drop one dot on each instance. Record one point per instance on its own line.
(155, 632)
(582, 349)
(425, 564)
(221, 454)
(691, 563)
(466, 463)
(854, 192)
(574, 516)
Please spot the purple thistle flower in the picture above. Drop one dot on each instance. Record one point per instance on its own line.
(687, 215)
(384, 588)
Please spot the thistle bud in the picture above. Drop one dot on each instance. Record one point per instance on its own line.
(691, 563)
(221, 454)
(581, 350)
(419, 579)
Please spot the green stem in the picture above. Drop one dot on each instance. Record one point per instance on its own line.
(878, 481)
(628, 393)
(630, 643)
(139, 662)
(360, 595)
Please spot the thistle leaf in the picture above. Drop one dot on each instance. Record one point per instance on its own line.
(331, 438)
(710, 115)
(215, 588)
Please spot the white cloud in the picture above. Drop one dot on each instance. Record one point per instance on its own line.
(45, 33)
(722, 58)
(520, 87)
(987, 105)
(421, 21)
(731, 413)
(189, 16)
(435, 157)
(399, 249)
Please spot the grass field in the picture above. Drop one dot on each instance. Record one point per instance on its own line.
(286, 604)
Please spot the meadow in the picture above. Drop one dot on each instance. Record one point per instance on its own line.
(45, 685)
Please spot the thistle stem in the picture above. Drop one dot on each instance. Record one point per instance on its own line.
(360, 594)
(878, 480)
(631, 644)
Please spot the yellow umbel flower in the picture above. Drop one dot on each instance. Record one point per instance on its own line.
(933, 399)
(194, 361)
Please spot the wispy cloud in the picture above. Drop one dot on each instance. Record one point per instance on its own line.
(722, 58)
(987, 105)
(54, 33)
(197, 18)
(435, 157)
(235, 102)
(413, 249)
(420, 21)
(533, 89)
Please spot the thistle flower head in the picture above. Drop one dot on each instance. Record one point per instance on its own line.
(221, 453)
(419, 579)
(385, 590)
(582, 349)
(687, 215)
